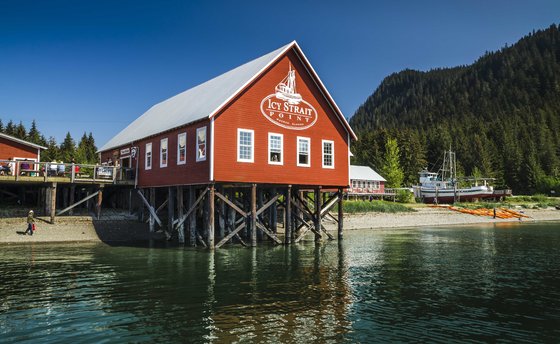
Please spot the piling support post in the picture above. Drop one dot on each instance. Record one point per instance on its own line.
(317, 217)
(211, 218)
(260, 202)
(152, 192)
(253, 215)
(273, 213)
(222, 216)
(340, 215)
(99, 201)
(192, 217)
(288, 214)
(170, 210)
(72, 194)
(52, 200)
(181, 228)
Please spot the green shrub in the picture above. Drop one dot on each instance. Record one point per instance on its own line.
(405, 196)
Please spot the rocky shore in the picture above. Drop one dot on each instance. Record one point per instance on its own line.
(114, 227)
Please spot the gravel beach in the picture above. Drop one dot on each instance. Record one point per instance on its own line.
(118, 227)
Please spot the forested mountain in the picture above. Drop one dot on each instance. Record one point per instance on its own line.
(501, 115)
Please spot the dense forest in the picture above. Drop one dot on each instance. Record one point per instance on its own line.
(84, 152)
(501, 115)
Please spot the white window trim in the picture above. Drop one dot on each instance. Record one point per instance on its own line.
(308, 151)
(198, 158)
(281, 162)
(323, 153)
(146, 157)
(161, 164)
(252, 132)
(179, 162)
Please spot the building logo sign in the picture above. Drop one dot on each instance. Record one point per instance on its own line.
(286, 107)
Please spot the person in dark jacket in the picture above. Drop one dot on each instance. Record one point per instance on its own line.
(30, 223)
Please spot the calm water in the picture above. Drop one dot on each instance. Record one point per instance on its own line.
(483, 283)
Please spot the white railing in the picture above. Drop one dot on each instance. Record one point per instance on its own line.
(53, 171)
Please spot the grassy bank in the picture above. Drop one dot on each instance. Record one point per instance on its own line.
(353, 207)
(525, 202)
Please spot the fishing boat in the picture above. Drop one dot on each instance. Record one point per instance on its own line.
(443, 186)
(286, 89)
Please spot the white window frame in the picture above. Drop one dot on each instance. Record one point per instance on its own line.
(198, 156)
(148, 150)
(249, 131)
(308, 151)
(161, 164)
(323, 153)
(179, 162)
(281, 162)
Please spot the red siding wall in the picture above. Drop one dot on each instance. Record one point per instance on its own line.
(245, 113)
(10, 149)
(192, 172)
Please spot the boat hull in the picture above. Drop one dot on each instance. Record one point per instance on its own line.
(450, 195)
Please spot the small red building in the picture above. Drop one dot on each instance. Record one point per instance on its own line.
(365, 181)
(269, 122)
(12, 148)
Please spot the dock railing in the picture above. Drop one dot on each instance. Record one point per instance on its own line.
(32, 171)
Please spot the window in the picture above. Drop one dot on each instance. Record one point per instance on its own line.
(275, 149)
(181, 148)
(328, 154)
(148, 156)
(303, 151)
(245, 145)
(163, 153)
(201, 144)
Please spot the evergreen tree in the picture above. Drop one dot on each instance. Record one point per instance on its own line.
(34, 135)
(20, 131)
(52, 151)
(1, 126)
(10, 128)
(67, 150)
(391, 168)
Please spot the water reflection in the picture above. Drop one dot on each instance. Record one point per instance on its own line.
(483, 283)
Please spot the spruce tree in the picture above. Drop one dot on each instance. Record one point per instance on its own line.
(391, 168)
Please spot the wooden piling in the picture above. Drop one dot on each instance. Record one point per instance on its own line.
(181, 228)
(52, 199)
(210, 225)
(288, 214)
(253, 215)
(99, 201)
(260, 202)
(221, 216)
(192, 217)
(273, 213)
(152, 192)
(340, 215)
(72, 194)
(317, 217)
(170, 209)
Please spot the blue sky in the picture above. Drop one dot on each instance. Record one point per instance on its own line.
(97, 65)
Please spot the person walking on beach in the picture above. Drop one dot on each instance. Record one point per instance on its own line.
(30, 223)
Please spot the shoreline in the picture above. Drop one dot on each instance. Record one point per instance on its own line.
(115, 227)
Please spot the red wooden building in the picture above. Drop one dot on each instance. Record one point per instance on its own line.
(14, 149)
(260, 132)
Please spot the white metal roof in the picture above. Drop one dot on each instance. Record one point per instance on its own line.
(364, 173)
(194, 104)
(23, 142)
(202, 101)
